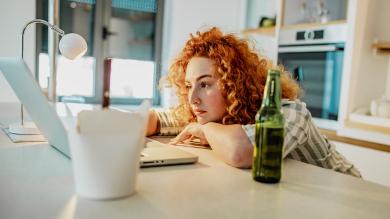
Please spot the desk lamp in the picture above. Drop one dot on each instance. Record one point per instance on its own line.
(72, 46)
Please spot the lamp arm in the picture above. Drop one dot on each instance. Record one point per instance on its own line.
(40, 21)
(51, 26)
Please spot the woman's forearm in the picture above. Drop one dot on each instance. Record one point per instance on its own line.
(152, 123)
(230, 143)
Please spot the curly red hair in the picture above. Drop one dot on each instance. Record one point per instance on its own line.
(242, 75)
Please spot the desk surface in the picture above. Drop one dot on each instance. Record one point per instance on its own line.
(36, 181)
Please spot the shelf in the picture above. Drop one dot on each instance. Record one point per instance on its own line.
(312, 25)
(382, 48)
(364, 132)
(361, 125)
(334, 136)
(263, 30)
(363, 120)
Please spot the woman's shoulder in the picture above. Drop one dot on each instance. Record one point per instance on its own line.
(294, 105)
(294, 109)
(297, 103)
(297, 117)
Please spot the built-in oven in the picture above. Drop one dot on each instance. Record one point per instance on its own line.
(315, 59)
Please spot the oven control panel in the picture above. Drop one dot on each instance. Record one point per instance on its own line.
(310, 35)
(326, 34)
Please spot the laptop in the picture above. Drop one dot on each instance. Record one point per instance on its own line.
(160, 154)
(49, 123)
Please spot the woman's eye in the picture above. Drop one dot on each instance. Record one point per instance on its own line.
(188, 86)
(204, 85)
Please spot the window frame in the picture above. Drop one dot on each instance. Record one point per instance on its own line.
(100, 51)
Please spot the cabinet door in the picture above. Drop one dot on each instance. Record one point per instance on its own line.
(371, 163)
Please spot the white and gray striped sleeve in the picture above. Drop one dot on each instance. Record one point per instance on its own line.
(314, 148)
(168, 125)
(330, 158)
(304, 142)
(295, 128)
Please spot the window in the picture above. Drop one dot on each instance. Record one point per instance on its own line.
(128, 31)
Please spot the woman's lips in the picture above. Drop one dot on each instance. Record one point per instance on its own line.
(199, 112)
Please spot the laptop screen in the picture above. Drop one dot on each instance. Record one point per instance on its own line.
(29, 93)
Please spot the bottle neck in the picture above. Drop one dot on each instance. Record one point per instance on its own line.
(272, 92)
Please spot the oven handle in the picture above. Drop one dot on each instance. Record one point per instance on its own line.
(316, 48)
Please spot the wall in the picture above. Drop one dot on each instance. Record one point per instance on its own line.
(265, 45)
(14, 14)
(182, 17)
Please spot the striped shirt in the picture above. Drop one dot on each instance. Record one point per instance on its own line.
(302, 140)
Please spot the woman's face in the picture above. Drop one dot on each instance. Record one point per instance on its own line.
(204, 95)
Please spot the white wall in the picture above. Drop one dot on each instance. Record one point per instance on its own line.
(182, 17)
(14, 14)
(265, 44)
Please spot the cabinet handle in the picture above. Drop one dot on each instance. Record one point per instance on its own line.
(317, 48)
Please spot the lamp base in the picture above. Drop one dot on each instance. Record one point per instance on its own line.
(28, 128)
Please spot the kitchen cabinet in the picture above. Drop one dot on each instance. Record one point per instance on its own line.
(371, 163)
(297, 12)
(264, 38)
(365, 71)
(366, 75)
(289, 14)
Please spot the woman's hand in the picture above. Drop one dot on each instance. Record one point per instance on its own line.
(191, 131)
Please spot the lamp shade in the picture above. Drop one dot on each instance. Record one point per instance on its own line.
(72, 46)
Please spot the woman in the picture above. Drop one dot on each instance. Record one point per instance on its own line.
(219, 81)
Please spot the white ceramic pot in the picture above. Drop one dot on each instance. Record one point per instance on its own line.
(380, 107)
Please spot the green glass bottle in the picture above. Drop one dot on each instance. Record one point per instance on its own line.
(268, 148)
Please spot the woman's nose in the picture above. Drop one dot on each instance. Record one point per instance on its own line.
(193, 97)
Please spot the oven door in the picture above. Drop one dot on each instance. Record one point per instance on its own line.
(318, 70)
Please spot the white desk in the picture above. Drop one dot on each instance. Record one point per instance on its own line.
(36, 182)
